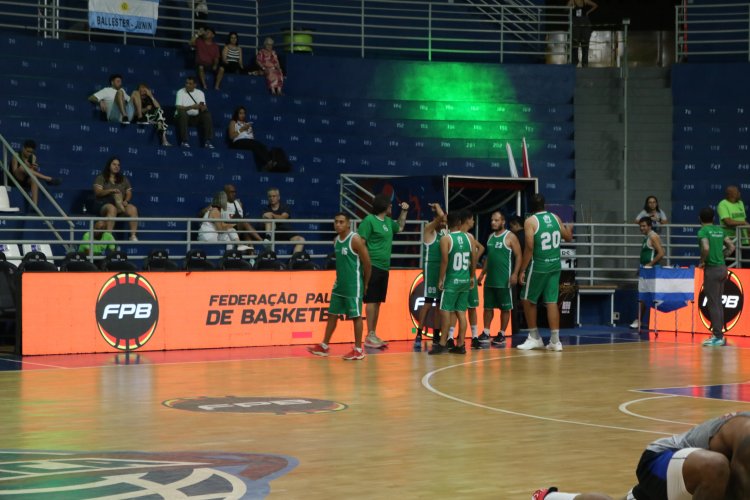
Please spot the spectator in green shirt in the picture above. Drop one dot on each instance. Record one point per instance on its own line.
(106, 242)
(732, 214)
(377, 229)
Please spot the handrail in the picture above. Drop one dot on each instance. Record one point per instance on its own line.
(712, 30)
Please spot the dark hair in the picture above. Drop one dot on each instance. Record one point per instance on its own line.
(107, 172)
(707, 215)
(229, 37)
(455, 218)
(645, 203)
(380, 203)
(647, 220)
(116, 75)
(537, 202)
(236, 114)
(191, 77)
(29, 143)
(516, 219)
(466, 215)
(341, 214)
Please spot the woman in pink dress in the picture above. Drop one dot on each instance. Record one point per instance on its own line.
(269, 63)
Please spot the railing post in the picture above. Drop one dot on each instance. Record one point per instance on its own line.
(429, 31)
(591, 256)
(502, 32)
(362, 30)
(291, 26)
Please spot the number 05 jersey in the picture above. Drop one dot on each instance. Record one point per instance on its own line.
(457, 277)
(547, 237)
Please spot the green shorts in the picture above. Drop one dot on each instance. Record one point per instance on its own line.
(498, 298)
(430, 283)
(474, 297)
(351, 307)
(452, 300)
(544, 285)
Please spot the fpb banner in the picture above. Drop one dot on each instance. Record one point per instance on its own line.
(131, 16)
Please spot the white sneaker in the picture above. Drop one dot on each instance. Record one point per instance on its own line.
(372, 340)
(554, 346)
(635, 324)
(531, 343)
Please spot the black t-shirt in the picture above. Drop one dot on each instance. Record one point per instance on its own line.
(283, 209)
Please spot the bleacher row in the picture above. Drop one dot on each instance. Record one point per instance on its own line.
(325, 133)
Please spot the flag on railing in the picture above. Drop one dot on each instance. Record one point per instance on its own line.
(667, 288)
(526, 164)
(132, 16)
(511, 161)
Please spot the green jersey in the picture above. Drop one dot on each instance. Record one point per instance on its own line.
(431, 254)
(735, 211)
(349, 281)
(546, 257)
(378, 233)
(457, 274)
(647, 250)
(499, 263)
(715, 236)
(102, 246)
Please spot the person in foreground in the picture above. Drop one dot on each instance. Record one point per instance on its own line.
(711, 461)
(352, 275)
(540, 272)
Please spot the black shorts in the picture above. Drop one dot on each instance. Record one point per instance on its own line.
(377, 288)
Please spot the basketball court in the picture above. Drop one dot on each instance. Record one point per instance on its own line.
(276, 422)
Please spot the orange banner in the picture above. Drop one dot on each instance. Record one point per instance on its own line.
(66, 313)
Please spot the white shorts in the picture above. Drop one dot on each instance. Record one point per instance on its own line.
(676, 489)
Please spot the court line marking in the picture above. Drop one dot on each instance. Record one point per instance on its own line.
(624, 409)
(21, 361)
(427, 385)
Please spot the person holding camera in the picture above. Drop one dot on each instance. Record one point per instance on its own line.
(192, 111)
(112, 192)
(28, 157)
(207, 55)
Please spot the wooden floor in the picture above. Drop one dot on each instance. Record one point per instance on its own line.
(496, 423)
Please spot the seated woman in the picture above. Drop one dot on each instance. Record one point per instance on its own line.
(231, 55)
(214, 228)
(113, 193)
(651, 209)
(269, 63)
(241, 137)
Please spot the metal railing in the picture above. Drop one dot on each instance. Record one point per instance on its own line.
(604, 254)
(712, 30)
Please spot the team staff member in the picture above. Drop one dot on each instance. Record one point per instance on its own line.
(501, 269)
(352, 274)
(540, 272)
(377, 229)
(712, 241)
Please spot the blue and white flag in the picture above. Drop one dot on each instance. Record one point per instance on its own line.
(667, 288)
(132, 16)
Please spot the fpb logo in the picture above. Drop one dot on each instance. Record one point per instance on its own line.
(732, 301)
(127, 311)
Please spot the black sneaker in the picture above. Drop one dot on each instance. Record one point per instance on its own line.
(461, 349)
(475, 343)
(484, 338)
(436, 338)
(143, 120)
(124, 120)
(499, 340)
(451, 343)
(418, 341)
(436, 349)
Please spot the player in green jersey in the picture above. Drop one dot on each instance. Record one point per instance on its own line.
(377, 229)
(540, 271)
(715, 245)
(501, 270)
(651, 254)
(431, 270)
(353, 271)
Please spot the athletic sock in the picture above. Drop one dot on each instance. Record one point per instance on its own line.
(561, 496)
(554, 337)
(358, 349)
(486, 331)
(534, 333)
(450, 332)
(473, 331)
(324, 345)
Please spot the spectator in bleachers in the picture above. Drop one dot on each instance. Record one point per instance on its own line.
(581, 29)
(231, 55)
(27, 154)
(652, 211)
(114, 102)
(215, 226)
(192, 111)
(268, 61)
(731, 212)
(113, 193)
(207, 55)
(148, 110)
(235, 210)
(280, 211)
(241, 136)
(105, 241)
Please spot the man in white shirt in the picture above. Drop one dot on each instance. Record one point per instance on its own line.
(192, 111)
(114, 101)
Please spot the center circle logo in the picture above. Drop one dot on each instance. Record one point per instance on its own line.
(279, 405)
(732, 301)
(127, 311)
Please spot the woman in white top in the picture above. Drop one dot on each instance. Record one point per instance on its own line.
(242, 137)
(215, 227)
(651, 210)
